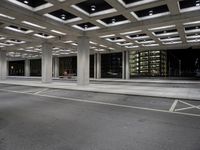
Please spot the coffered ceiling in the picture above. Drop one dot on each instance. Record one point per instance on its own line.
(111, 25)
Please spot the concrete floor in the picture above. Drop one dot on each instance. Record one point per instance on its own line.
(36, 118)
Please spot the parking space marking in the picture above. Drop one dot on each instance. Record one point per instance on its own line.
(191, 106)
(173, 106)
(40, 91)
(105, 103)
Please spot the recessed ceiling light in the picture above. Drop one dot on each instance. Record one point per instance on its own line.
(93, 8)
(85, 26)
(26, 2)
(113, 20)
(198, 3)
(150, 12)
(63, 16)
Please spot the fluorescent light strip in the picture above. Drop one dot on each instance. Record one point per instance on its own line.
(163, 27)
(68, 41)
(61, 20)
(2, 38)
(15, 42)
(169, 39)
(4, 44)
(191, 23)
(44, 37)
(17, 30)
(172, 42)
(130, 32)
(150, 17)
(33, 24)
(113, 24)
(189, 9)
(138, 38)
(193, 37)
(58, 32)
(93, 43)
(88, 29)
(124, 44)
(94, 14)
(145, 42)
(193, 41)
(106, 36)
(135, 3)
(135, 46)
(103, 46)
(165, 34)
(29, 7)
(6, 16)
(118, 40)
(193, 31)
(150, 45)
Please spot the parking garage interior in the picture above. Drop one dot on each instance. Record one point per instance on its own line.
(99, 74)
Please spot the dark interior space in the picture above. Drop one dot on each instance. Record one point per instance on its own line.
(35, 67)
(69, 65)
(184, 63)
(111, 65)
(16, 68)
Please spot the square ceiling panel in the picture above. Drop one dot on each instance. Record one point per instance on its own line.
(132, 3)
(145, 41)
(192, 29)
(86, 26)
(151, 12)
(189, 5)
(169, 32)
(33, 5)
(113, 21)
(94, 7)
(138, 36)
(62, 16)
(116, 39)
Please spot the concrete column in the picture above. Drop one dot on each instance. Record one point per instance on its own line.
(27, 67)
(98, 65)
(46, 62)
(127, 66)
(123, 64)
(83, 60)
(56, 67)
(95, 65)
(3, 65)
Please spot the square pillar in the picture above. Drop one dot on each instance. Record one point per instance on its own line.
(83, 60)
(27, 67)
(95, 65)
(98, 65)
(127, 66)
(56, 67)
(3, 65)
(46, 62)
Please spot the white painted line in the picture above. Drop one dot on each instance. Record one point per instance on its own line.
(186, 108)
(173, 106)
(191, 106)
(105, 103)
(40, 91)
